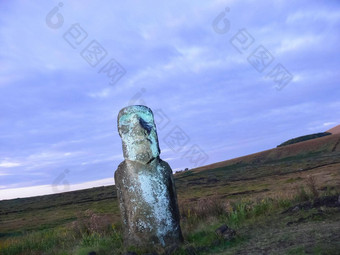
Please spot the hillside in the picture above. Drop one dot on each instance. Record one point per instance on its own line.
(320, 146)
(267, 183)
(335, 130)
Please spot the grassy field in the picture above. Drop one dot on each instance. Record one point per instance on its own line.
(282, 201)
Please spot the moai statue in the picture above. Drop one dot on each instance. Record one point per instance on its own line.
(145, 185)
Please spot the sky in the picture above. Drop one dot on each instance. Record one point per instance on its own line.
(223, 78)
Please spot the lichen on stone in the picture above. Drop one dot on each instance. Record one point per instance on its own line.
(155, 194)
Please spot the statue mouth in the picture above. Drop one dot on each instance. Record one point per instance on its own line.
(141, 141)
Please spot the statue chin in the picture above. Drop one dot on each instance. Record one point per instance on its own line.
(142, 157)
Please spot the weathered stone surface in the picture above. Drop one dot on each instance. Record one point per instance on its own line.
(145, 185)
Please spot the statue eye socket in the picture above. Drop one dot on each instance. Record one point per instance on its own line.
(145, 125)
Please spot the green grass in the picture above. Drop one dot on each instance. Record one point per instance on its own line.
(198, 224)
(297, 251)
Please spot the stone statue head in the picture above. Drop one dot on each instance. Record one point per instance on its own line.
(137, 129)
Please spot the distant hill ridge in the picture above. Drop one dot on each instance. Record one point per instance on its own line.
(332, 131)
(304, 138)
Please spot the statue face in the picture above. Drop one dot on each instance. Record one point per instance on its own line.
(137, 129)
